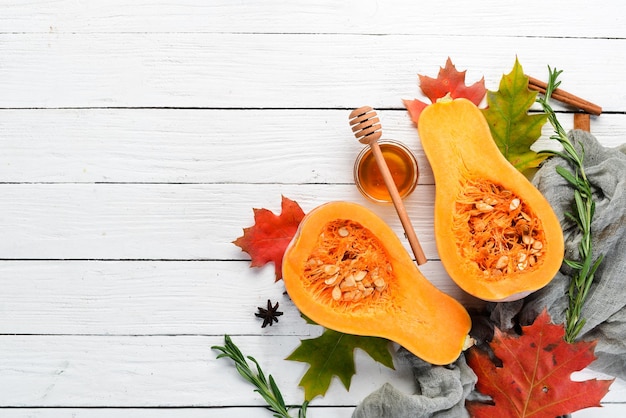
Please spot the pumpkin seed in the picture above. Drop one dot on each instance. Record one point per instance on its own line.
(490, 200)
(348, 282)
(331, 269)
(347, 296)
(514, 204)
(502, 262)
(332, 280)
(483, 207)
(336, 293)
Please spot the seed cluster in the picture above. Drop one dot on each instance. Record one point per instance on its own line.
(349, 264)
(497, 230)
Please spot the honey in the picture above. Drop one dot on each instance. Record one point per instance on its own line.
(401, 163)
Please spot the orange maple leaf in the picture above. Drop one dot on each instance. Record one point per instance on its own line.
(534, 380)
(449, 80)
(267, 240)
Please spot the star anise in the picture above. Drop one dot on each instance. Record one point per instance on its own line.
(269, 315)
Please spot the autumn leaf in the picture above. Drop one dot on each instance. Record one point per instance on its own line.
(534, 380)
(414, 107)
(267, 240)
(512, 128)
(332, 354)
(449, 80)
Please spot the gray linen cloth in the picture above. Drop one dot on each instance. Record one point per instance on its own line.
(442, 390)
(604, 308)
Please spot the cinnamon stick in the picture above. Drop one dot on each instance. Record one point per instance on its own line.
(581, 121)
(565, 97)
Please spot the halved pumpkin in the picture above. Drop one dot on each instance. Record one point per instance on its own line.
(347, 270)
(497, 236)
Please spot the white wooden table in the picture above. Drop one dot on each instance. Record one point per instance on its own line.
(137, 136)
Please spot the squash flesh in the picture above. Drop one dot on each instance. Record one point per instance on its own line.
(458, 144)
(497, 230)
(349, 268)
(408, 310)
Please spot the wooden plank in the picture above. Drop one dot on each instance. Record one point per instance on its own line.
(607, 411)
(168, 371)
(154, 298)
(205, 146)
(133, 333)
(189, 146)
(555, 18)
(255, 70)
(164, 221)
(183, 412)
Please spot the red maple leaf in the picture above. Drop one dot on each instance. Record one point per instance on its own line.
(449, 80)
(267, 240)
(534, 380)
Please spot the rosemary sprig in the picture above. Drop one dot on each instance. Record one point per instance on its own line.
(265, 386)
(584, 268)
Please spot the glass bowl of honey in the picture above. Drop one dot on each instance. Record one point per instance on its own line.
(402, 165)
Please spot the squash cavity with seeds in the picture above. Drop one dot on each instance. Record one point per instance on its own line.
(347, 270)
(497, 236)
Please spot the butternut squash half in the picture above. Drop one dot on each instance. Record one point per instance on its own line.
(497, 236)
(347, 270)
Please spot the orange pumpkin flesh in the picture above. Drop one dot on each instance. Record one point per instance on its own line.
(497, 236)
(347, 270)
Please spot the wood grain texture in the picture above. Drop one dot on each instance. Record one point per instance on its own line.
(456, 17)
(256, 70)
(146, 371)
(164, 221)
(136, 137)
(181, 412)
(154, 298)
(167, 371)
(205, 145)
(606, 411)
(188, 146)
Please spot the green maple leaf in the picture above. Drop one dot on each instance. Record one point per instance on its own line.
(332, 354)
(512, 128)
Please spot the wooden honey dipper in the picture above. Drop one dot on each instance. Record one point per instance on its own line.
(366, 127)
